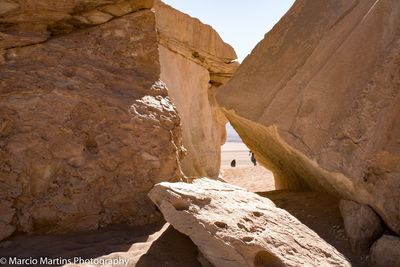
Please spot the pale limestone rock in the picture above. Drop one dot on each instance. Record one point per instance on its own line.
(233, 227)
(362, 226)
(386, 252)
(318, 101)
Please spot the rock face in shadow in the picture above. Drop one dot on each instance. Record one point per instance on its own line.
(318, 101)
(233, 227)
(86, 125)
(320, 212)
(362, 225)
(386, 252)
(117, 245)
(27, 22)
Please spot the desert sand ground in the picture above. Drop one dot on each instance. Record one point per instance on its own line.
(237, 151)
(245, 174)
(161, 245)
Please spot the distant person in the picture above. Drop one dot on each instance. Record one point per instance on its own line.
(253, 159)
(233, 163)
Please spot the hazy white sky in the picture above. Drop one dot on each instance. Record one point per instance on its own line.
(241, 24)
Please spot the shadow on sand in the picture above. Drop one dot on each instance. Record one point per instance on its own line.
(319, 212)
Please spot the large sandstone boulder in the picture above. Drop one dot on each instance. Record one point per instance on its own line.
(318, 101)
(79, 116)
(363, 227)
(86, 126)
(233, 227)
(386, 252)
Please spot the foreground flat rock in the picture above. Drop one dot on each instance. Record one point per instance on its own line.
(233, 227)
(318, 101)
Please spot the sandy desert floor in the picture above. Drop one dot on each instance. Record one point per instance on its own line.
(236, 151)
(161, 245)
(253, 178)
(245, 174)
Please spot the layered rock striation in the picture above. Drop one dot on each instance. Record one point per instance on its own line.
(318, 101)
(87, 127)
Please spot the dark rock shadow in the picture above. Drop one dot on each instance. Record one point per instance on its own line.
(88, 244)
(171, 249)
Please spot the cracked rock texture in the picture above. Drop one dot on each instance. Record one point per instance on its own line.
(86, 125)
(318, 101)
(79, 114)
(233, 227)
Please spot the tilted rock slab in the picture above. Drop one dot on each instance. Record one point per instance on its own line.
(86, 126)
(233, 227)
(318, 101)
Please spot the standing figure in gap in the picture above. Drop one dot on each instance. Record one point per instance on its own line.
(253, 158)
(233, 163)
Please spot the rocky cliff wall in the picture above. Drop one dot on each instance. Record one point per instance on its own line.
(86, 125)
(79, 114)
(318, 101)
(201, 132)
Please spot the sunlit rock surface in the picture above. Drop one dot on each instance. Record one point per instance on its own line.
(87, 127)
(318, 101)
